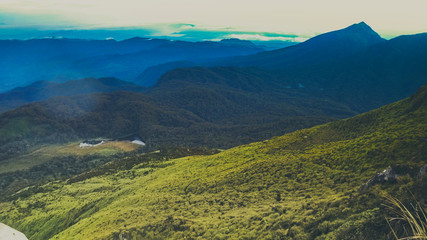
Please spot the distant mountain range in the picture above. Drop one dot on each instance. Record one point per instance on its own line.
(334, 64)
(227, 106)
(319, 49)
(376, 75)
(353, 66)
(24, 62)
(129, 66)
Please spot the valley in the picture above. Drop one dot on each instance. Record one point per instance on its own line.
(161, 139)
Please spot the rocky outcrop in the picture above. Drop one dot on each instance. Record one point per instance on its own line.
(8, 233)
(422, 171)
(385, 176)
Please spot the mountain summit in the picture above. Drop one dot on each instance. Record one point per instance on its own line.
(359, 35)
(324, 47)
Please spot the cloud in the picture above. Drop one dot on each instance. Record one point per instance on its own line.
(175, 31)
(182, 26)
(197, 33)
(301, 17)
(172, 30)
(259, 37)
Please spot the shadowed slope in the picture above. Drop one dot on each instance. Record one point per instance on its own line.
(42, 90)
(322, 48)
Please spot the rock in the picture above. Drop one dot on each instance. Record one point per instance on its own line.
(91, 143)
(422, 171)
(138, 141)
(8, 233)
(385, 176)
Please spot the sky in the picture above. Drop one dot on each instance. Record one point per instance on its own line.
(249, 19)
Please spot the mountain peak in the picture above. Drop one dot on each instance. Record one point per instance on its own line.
(362, 23)
(321, 48)
(361, 27)
(135, 39)
(358, 35)
(237, 42)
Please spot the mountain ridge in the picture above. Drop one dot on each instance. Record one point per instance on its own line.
(330, 46)
(41, 90)
(372, 77)
(326, 46)
(65, 59)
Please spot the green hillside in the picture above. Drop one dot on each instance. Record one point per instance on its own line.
(303, 185)
(219, 107)
(57, 161)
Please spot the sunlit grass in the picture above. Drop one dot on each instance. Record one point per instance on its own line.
(413, 219)
(47, 153)
(303, 185)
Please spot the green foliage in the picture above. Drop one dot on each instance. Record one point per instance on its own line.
(411, 221)
(57, 162)
(303, 185)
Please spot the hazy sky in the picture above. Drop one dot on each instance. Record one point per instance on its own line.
(388, 17)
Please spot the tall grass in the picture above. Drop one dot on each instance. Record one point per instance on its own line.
(412, 220)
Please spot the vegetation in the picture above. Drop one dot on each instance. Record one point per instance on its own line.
(412, 221)
(48, 152)
(208, 111)
(303, 185)
(57, 162)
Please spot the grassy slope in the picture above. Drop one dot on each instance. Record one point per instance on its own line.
(49, 152)
(57, 161)
(303, 185)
